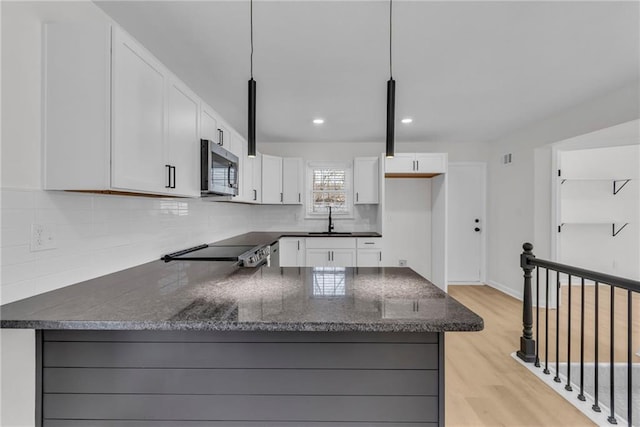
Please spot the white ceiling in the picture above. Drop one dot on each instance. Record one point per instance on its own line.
(465, 71)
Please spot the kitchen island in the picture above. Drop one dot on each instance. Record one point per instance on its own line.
(210, 344)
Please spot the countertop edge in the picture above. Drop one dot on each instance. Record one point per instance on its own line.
(245, 327)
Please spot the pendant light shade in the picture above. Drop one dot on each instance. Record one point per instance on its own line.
(251, 122)
(251, 131)
(391, 116)
(391, 92)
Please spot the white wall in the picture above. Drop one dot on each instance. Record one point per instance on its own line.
(519, 208)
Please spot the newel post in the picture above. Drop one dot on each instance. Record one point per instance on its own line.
(527, 350)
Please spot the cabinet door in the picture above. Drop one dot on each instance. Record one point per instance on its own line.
(183, 144)
(137, 112)
(256, 181)
(369, 258)
(292, 181)
(400, 163)
(431, 162)
(366, 178)
(208, 123)
(317, 257)
(271, 179)
(343, 258)
(291, 250)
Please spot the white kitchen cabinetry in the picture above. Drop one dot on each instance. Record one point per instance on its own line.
(292, 181)
(292, 252)
(418, 164)
(281, 180)
(369, 252)
(271, 179)
(330, 252)
(208, 123)
(137, 119)
(366, 180)
(183, 148)
(111, 104)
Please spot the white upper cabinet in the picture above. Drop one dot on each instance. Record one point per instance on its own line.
(271, 179)
(183, 144)
(292, 181)
(208, 123)
(111, 103)
(366, 179)
(137, 118)
(256, 177)
(419, 164)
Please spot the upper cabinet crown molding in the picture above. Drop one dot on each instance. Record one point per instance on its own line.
(415, 165)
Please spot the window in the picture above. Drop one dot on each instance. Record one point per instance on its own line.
(329, 185)
(329, 281)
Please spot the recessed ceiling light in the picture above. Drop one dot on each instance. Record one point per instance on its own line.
(407, 120)
(318, 121)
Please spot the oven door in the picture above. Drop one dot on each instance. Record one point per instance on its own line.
(221, 170)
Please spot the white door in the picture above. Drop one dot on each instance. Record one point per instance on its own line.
(183, 144)
(366, 178)
(317, 257)
(271, 179)
(292, 181)
(400, 163)
(466, 222)
(138, 131)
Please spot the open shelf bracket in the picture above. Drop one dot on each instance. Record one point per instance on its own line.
(615, 232)
(616, 188)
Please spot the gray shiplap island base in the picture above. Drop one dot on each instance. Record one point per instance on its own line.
(207, 344)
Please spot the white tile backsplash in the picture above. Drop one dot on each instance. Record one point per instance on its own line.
(100, 234)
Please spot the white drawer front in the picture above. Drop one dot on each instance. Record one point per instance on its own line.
(331, 243)
(369, 243)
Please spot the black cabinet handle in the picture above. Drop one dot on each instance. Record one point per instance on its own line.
(281, 198)
(357, 197)
(168, 176)
(380, 256)
(299, 198)
(417, 165)
(298, 244)
(329, 255)
(255, 194)
(173, 168)
(220, 137)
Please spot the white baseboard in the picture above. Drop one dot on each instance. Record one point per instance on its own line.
(505, 289)
(467, 283)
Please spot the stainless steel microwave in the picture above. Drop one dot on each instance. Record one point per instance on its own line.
(218, 170)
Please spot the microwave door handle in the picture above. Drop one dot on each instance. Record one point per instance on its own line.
(229, 174)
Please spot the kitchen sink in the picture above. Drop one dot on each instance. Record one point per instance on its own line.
(333, 233)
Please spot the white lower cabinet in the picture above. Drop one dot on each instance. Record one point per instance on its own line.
(370, 252)
(330, 252)
(292, 252)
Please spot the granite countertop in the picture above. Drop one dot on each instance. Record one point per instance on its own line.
(220, 296)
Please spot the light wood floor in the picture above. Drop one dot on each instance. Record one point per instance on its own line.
(484, 385)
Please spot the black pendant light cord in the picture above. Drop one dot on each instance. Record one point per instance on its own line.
(251, 19)
(390, 39)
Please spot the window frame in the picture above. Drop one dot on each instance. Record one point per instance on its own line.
(348, 179)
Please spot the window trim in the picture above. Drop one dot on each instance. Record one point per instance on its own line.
(348, 176)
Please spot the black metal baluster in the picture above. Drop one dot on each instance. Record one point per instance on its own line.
(568, 386)
(595, 406)
(546, 326)
(557, 377)
(537, 362)
(612, 417)
(629, 357)
(581, 395)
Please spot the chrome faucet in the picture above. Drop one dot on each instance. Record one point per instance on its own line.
(331, 225)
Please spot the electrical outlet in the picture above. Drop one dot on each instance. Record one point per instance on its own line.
(42, 237)
(402, 263)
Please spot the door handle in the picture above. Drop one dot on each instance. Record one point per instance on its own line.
(477, 229)
(299, 198)
(168, 176)
(417, 165)
(357, 197)
(298, 244)
(281, 197)
(255, 194)
(328, 255)
(174, 176)
(380, 256)
(220, 137)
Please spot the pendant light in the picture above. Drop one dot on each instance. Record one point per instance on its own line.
(391, 93)
(251, 132)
